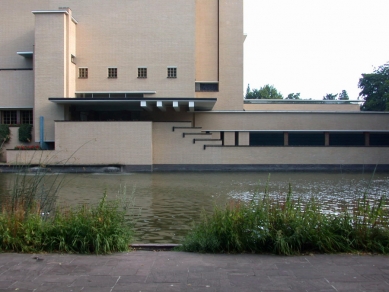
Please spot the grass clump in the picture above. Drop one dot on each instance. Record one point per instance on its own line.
(30, 221)
(99, 229)
(285, 226)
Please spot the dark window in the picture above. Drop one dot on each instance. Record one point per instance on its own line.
(266, 139)
(82, 72)
(10, 117)
(207, 87)
(378, 139)
(171, 72)
(26, 117)
(112, 72)
(306, 139)
(142, 72)
(347, 139)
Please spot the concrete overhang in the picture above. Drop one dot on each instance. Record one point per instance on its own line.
(149, 104)
(27, 55)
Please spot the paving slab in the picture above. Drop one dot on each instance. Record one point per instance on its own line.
(179, 271)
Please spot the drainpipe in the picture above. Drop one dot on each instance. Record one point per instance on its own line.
(42, 143)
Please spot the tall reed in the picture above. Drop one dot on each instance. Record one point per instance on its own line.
(289, 226)
(30, 221)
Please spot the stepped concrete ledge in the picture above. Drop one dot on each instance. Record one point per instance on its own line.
(181, 271)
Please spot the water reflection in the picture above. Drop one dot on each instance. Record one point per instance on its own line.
(169, 202)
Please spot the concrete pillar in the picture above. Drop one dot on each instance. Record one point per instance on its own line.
(286, 138)
(367, 138)
(229, 138)
(326, 139)
(244, 138)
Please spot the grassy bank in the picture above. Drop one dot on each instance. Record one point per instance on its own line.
(286, 226)
(30, 221)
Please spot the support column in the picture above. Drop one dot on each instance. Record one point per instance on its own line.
(326, 139)
(286, 139)
(244, 138)
(367, 138)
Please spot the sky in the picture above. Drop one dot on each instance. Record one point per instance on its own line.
(314, 47)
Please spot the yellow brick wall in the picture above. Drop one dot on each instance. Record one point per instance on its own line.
(146, 143)
(292, 121)
(16, 89)
(89, 143)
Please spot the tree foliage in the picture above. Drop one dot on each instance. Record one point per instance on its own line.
(293, 96)
(375, 89)
(330, 96)
(343, 95)
(265, 92)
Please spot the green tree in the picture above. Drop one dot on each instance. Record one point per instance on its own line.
(330, 96)
(265, 92)
(375, 89)
(293, 96)
(343, 95)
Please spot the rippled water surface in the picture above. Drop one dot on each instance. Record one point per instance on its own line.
(168, 203)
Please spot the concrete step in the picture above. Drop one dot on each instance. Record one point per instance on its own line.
(196, 134)
(186, 128)
(213, 141)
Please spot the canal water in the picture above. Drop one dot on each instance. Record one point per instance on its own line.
(165, 205)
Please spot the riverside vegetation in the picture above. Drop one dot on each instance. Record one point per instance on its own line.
(30, 221)
(289, 226)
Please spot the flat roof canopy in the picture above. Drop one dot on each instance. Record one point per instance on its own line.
(139, 103)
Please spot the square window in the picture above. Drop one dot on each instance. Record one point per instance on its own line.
(9, 117)
(112, 72)
(142, 72)
(26, 117)
(172, 72)
(82, 72)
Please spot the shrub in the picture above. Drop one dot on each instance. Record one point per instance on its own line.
(25, 133)
(5, 133)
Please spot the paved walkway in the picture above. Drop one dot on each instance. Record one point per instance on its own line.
(179, 271)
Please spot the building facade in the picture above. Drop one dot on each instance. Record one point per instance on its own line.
(158, 85)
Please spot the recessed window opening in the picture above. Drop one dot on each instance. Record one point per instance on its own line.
(26, 117)
(172, 72)
(207, 87)
(112, 72)
(347, 139)
(379, 139)
(142, 72)
(73, 59)
(306, 139)
(266, 139)
(9, 117)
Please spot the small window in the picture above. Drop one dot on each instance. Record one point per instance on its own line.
(172, 72)
(112, 72)
(82, 72)
(26, 117)
(73, 58)
(9, 117)
(142, 72)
